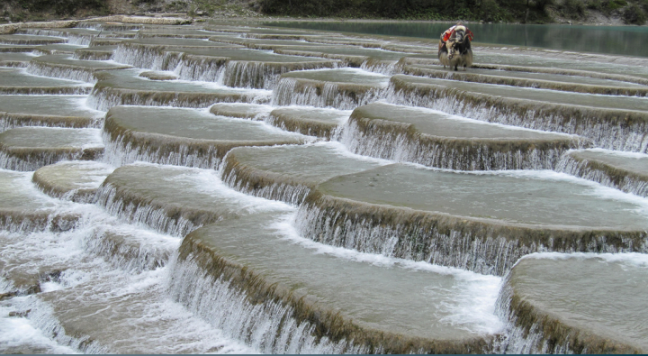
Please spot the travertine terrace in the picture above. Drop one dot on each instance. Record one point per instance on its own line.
(177, 187)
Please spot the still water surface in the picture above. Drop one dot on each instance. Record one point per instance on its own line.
(620, 40)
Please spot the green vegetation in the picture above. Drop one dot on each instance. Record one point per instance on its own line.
(633, 14)
(24, 10)
(486, 10)
(524, 11)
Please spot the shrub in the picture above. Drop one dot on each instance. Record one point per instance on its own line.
(612, 5)
(634, 15)
(574, 9)
(490, 11)
(594, 5)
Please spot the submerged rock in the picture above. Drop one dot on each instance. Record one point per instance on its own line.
(77, 180)
(17, 81)
(342, 89)
(482, 222)
(127, 88)
(153, 75)
(625, 171)
(200, 139)
(318, 122)
(580, 303)
(610, 121)
(30, 40)
(241, 110)
(172, 200)
(288, 173)
(13, 59)
(436, 139)
(29, 148)
(48, 110)
(270, 278)
(25, 209)
(62, 66)
(579, 84)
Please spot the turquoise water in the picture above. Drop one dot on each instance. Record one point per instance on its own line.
(622, 40)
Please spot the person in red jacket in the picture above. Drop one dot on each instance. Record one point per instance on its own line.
(447, 34)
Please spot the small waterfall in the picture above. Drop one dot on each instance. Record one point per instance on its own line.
(201, 68)
(63, 90)
(105, 97)
(222, 70)
(126, 255)
(41, 316)
(39, 221)
(128, 148)
(84, 196)
(443, 240)
(61, 71)
(608, 128)
(93, 55)
(247, 181)
(518, 339)
(261, 75)
(26, 159)
(305, 127)
(81, 40)
(252, 74)
(625, 181)
(382, 67)
(388, 140)
(148, 57)
(136, 210)
(266, 324)
(341, 96)
(9, 121)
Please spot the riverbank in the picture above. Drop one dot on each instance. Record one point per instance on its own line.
(573, 12)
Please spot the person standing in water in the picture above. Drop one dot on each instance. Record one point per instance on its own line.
(447, 34)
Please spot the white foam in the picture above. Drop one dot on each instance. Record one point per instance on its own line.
(17, 334)
(209, 181)
(23, 71)
(95, 282)
(342, 150)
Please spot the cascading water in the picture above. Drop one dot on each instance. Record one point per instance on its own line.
(207, 232)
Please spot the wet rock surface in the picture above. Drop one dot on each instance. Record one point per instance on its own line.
(77, 180)
(591, 309)
(436, 139)
(29, 148)
(375, 314)
(200, 140)
(288, 173)
(481, 222)
(48, 110)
